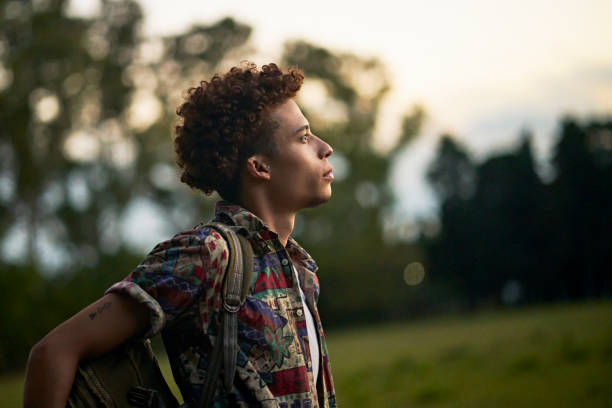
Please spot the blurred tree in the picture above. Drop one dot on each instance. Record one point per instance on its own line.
(56, 66)
(452, 174)
(489, 220)
(86, 116)
(507, 237)
(505, 206)
(583, 162)
(86, 108)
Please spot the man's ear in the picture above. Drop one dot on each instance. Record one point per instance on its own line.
(258, 167)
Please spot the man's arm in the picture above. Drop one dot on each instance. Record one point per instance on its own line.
(96, 329)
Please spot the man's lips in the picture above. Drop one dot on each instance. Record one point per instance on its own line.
(328, 175)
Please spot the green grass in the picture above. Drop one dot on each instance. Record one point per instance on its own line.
(553, 356)
(11, 388)
(549, 356)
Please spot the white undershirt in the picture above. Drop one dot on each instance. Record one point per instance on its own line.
(312, 333)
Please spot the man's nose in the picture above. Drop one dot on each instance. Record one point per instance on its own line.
(326, 150)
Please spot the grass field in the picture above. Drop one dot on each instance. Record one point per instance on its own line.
(549, 356)
(553, 356)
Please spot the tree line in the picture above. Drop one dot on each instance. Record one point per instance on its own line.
(509, 237)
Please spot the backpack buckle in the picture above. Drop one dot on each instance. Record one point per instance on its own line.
(231, 304)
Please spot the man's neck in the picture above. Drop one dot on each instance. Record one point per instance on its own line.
(279, 221)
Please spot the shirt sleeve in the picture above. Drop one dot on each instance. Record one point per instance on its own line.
(175, 273)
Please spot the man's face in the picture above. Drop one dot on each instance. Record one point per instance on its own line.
(300, 175)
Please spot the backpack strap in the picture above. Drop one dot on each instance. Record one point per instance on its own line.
(236, 283)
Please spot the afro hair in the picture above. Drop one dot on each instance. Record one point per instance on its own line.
(224, 121)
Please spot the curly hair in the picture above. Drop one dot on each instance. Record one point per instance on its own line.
(225, 121)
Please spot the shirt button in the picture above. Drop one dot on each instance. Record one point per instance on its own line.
(299, 312)
(285, 262)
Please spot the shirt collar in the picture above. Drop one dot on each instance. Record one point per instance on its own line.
(240, 216)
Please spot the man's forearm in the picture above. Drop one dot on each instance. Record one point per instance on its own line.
(49, 375)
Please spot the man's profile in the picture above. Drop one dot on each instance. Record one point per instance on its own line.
(242, 135)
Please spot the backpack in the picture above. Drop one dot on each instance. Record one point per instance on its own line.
(129, 375)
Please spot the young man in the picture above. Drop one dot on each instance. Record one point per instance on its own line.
(243, 136)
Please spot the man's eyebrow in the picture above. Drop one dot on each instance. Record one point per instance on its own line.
(306, 126)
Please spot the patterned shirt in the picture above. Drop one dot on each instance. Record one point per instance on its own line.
(180, 281)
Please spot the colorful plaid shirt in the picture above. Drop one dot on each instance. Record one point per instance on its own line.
(180, 281)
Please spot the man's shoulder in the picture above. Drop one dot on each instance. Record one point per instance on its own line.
(196, 251)
(201, 235)
(207, 231)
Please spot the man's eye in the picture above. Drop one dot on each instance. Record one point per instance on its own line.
(305, 138)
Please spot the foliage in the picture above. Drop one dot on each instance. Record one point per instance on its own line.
(506, 236)
(83, 138)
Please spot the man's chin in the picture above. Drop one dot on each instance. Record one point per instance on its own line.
(316, 201)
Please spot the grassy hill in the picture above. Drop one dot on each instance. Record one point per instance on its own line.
(552, 356)
(548, 356)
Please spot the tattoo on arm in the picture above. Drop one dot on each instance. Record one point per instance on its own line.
(99, 310)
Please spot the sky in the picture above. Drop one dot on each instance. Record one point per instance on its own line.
(483, 70)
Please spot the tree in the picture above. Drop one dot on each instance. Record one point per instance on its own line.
(583, 163)
(86, 111)
(546, 242)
